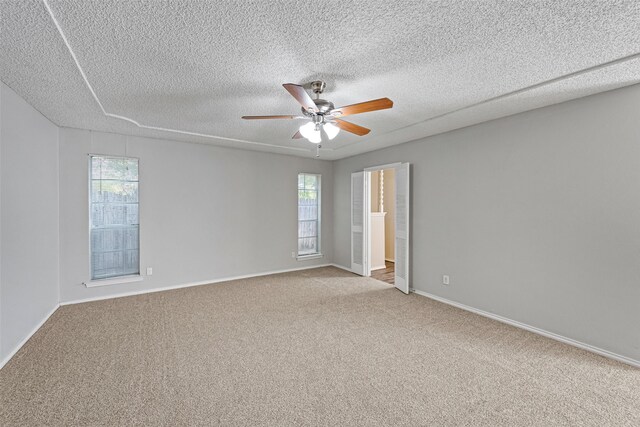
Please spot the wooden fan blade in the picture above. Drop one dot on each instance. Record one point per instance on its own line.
(363, 107)
(267, 117)
(297, 135)
(351, 127)
(301, 96)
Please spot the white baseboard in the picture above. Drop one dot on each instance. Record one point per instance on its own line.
(390, 260)
(24, 341)
(190, 284)
(600, 351)
(378, 268)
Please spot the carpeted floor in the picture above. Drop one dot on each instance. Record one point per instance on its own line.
(319, 347)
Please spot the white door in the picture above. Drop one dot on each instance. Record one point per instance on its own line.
(401, 279)
(357, 223)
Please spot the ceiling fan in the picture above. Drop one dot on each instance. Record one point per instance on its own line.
(323, 116)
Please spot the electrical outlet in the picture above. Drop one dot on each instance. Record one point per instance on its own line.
(149, 271)
(445, 280)
(293, 254)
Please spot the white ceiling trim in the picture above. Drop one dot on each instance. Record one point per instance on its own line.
(141, 125)
(516, 92)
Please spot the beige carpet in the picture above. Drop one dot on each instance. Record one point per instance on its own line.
(320, 347)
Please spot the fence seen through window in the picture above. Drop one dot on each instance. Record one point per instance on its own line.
(114, 217)
(308, 214)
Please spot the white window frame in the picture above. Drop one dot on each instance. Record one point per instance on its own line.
(114, 280)
(318, 253)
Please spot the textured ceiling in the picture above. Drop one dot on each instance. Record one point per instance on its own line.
(188, 70)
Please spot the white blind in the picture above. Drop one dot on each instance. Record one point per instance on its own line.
(308, 214)
(114, 219)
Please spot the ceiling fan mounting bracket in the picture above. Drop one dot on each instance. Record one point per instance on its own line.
(318, 87)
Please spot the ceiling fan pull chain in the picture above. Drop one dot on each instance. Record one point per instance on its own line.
(318, 150)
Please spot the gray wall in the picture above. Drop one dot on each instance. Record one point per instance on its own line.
(29, 235)
(536, 217)
(205, 212)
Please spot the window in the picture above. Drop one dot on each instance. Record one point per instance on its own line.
(308, 214)
(114, 221)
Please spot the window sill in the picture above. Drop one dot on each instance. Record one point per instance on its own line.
(310, 256)
(114, 281)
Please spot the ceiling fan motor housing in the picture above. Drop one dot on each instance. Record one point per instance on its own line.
(322, 105)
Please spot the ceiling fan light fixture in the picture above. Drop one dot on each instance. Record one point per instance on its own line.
(317, 139)
(310, 132)
(331, 130)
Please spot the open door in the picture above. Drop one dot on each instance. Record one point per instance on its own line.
(402, 228)
(357, 223)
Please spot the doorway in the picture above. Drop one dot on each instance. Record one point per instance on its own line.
(382, 219)
(369, 207)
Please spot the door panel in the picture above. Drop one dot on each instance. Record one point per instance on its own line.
(401, 279)
(357, 222)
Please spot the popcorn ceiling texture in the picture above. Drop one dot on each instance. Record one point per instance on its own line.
(198, 66)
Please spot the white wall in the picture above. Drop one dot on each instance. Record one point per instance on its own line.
(536, 217)
(206, 212)
(29, 235)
